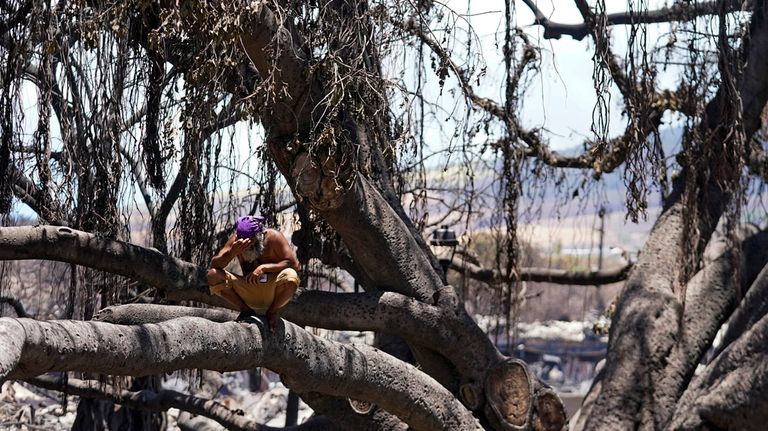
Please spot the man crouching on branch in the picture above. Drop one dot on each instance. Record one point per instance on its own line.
(269, 270)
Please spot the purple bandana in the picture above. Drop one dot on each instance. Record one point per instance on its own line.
(249, 226)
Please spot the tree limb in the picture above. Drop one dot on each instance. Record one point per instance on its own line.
(307, 363)
(18, 307)
(140, 314)
(679, 11)
(387, 312)
(544, 275)
(178, 279)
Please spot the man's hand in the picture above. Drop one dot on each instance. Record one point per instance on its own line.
(239, 245)
(254, 276)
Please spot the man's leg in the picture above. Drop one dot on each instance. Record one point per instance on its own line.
(283, 294)
(217, 277)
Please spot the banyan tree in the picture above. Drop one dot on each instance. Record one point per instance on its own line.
(136, 131)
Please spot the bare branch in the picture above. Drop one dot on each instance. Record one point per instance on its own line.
(679, 11)
(27, 192)
(545, 275)
(18, 307)
(139, 177)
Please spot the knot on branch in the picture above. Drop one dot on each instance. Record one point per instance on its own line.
(318, 181)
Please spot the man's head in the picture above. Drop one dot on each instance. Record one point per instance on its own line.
(250, 226)
(253, 228)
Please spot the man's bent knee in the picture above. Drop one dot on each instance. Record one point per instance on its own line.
(285, 286)
(216, 276)
(284, 293)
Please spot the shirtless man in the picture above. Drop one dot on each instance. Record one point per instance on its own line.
(269, 270)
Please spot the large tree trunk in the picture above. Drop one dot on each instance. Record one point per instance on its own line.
(732, 391)
(656, 340)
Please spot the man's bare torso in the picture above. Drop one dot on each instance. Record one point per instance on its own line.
(267, 255)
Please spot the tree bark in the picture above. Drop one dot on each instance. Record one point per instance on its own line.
(732, 391)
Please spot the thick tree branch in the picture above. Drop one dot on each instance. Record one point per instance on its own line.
(753, 306)
(140, 314)
(379, 240)
(178, 279)
(307, 363)
(385, 312)
(183, 280)
(679, 11)
(711, 296)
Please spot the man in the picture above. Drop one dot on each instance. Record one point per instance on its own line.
(269, 270)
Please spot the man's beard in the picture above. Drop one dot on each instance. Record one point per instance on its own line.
(253, 252)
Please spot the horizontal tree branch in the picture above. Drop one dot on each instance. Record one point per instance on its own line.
(679, 11)
(177, 278)
(140, 314)
(370, 311)
(544, 275)
(307, 363)
(386, 312)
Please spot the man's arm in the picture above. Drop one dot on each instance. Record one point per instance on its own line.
(284, 257)
(231, 249)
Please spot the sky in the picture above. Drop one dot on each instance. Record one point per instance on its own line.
(561, 98)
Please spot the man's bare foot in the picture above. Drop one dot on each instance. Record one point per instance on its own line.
(272, 318)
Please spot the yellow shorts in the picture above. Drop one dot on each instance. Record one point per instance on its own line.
(258, 296)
